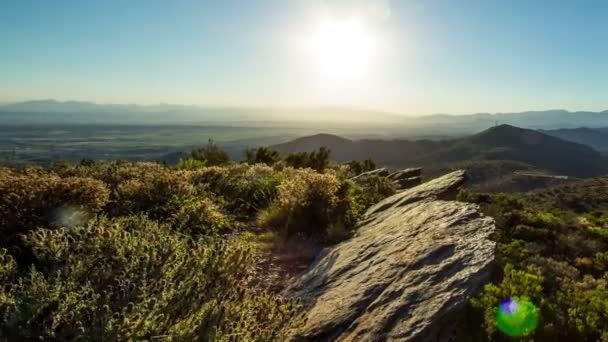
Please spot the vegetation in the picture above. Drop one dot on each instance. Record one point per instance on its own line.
(551, 256)
(141, 250)
(125, 251)
(317, 159)
(262, 155)
(210, 155)
(359, 167)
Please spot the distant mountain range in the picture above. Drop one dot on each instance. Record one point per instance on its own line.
(76, 112)
(503, 142)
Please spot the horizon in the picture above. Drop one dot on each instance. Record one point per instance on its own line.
(290, 108)
(414, 58)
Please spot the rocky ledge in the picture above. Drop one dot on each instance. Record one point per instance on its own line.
(415, 260)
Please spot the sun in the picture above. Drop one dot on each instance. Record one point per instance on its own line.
(342, 49)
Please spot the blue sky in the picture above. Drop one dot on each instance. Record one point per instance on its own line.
(433, 56)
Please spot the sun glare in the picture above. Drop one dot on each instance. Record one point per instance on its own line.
(342, 49)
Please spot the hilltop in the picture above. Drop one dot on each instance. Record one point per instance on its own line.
(503, 142)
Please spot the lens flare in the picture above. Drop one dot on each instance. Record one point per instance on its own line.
(516, 317)
(69, 216)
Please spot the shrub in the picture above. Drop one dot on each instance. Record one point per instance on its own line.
(151, 191)
(190, 164)
(199, 217)
(131, 279)
(245, 189)
(211, 155)
(297, 160)
(317, 160)
(316, 204)
(515, 284)
(34, 198)
(358, 167)
(262, 155)
(304, 203)
(376, 188)
(564, 249)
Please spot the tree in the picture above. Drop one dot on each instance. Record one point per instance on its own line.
(261, 155)
(359, 167)
(298, 160)
(210, 154)
(319, 160)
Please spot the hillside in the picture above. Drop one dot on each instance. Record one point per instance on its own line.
(497, 175)
(594, 137)
(502, 142)
(584, 195)
(506, 142)
(386, 152)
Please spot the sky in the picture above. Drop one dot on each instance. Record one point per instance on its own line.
(401, 56)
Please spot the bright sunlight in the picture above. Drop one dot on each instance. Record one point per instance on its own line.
(342, 49)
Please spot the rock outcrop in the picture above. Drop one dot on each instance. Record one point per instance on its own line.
(415, 260)
(405, 173)
(382, 172)
(403, 179)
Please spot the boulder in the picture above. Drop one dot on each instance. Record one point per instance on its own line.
(405, 173)
(383, 172)
(406, 183)
(410, 268)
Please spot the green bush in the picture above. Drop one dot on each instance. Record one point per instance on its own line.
(554, 257)
(211, 155)
(199, 216)
(316, 204)
(151, 192)
(131, 278)
(358, 167)
(190, 164)
(515, 284)
(376, 188)
(37, 198)
(317, 160)
(262, 155)
(244, 189)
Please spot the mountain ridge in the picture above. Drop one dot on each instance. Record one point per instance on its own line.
(29, 112)
(503, 142)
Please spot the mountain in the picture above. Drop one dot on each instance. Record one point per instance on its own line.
(503, 142)
(549, 119)
(594, 137)
(79, 112)
(373, 122)
(394, 152)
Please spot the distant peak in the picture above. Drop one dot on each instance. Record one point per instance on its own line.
(504, 128)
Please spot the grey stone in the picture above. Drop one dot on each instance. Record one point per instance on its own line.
(410, 268)
(405, 173)
(382, 172)
(406, 183)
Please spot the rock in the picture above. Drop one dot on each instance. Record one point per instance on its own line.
(406, 274)
(444, 187)
(405, 173)
(383, 172)
(406, 183)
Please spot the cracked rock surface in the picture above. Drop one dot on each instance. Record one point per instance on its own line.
(415, 260)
